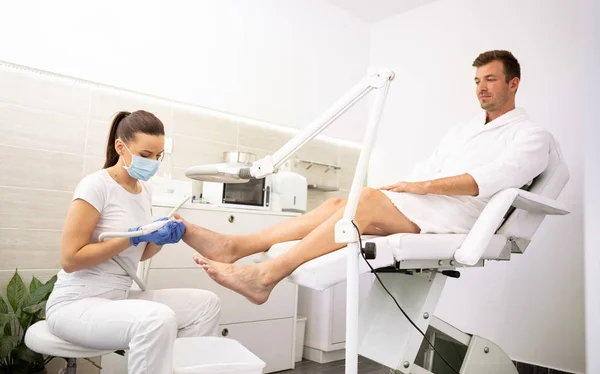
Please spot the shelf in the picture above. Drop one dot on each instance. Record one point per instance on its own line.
(312, 163)
(318, 187)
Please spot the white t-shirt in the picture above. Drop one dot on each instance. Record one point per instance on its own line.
(119, 211)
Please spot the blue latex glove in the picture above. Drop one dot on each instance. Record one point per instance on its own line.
(171, 232)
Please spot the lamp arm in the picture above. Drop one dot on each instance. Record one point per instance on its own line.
(375, 79)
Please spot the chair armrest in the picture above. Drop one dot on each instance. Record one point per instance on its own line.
(492, 215)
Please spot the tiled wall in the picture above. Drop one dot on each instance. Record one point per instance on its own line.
(53, 131)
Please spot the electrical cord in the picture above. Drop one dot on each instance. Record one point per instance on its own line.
(397, 304)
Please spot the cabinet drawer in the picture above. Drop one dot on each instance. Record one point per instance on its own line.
(272, 341)
(227, 222)
(234, 307)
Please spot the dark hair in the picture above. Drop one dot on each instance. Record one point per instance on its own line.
(512, 68)
(125, 125)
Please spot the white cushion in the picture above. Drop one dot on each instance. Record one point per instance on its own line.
(330, 269)
(39, 339)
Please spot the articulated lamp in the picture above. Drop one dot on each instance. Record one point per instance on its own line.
(345, 232)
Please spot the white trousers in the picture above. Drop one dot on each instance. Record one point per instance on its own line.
(144, 322)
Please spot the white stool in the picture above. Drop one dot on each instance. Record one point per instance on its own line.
(39, 339)
(199, 355)
(214, 355)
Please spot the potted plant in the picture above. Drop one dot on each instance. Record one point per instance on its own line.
(26, 306)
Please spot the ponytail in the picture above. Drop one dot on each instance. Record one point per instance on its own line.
(125, 125)
(111, 153)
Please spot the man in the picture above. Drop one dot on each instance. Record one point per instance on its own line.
(446, 193)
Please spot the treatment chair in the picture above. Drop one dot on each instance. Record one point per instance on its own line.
(414, 268)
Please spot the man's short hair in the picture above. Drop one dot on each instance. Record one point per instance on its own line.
(512, 68)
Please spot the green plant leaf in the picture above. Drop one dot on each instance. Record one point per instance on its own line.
(92, 362)
(5, 319)
(40, 294)
(24, 320)
(35, 309)
(3, 305)
(23, 353)
(35, 284)
(7, 344)
(52, 280)
(16, 291)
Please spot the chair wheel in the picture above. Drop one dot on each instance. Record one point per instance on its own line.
(370, 251)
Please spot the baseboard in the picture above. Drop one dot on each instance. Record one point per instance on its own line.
(322, 357)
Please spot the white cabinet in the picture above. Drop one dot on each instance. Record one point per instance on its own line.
(325, 336)
(267, 330)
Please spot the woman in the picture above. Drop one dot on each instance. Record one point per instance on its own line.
(92, 304)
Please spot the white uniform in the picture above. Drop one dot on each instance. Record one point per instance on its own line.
(507, 152)
(95, 308)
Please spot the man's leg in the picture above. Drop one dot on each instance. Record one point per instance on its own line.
(375, 212)
(229, 248)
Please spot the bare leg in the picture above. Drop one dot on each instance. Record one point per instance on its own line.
(230, 248)
(255, 282)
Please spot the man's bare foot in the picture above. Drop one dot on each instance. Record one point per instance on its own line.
(209, 244)
(247, 280)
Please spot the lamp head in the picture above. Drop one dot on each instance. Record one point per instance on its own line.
(222, 173)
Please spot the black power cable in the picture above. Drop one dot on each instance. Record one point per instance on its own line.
(398, 305)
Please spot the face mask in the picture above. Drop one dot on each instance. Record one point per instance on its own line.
(141, 168)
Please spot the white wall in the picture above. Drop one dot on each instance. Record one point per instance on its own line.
(532, 306)
(591, 132)
(278, 61)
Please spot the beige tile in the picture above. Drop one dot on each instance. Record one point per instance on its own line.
(262, 137)
(348, 161)
(195, 122)
(316, 198)
(188, 151)
(96, 138)
(31, 249)
(319, 150)
(33, 209)
(27, 127)
(348, 155)
(33, 90)
(260, 153)
(22, 167)
(92, 164)
(316, 175)
(106, 102)
(26, 275)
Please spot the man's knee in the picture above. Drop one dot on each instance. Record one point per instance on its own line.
(369, 194)
(336, 202)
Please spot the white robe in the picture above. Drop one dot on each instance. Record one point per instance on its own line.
(507, 152)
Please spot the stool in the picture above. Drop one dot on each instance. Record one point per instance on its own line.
(214, 355)
(193, 355)
(39, 339)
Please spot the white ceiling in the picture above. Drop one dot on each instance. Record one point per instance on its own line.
(376, 10)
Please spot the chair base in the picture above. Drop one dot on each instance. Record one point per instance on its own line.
(388, 338)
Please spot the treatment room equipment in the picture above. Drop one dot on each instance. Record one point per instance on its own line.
(411, 269)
